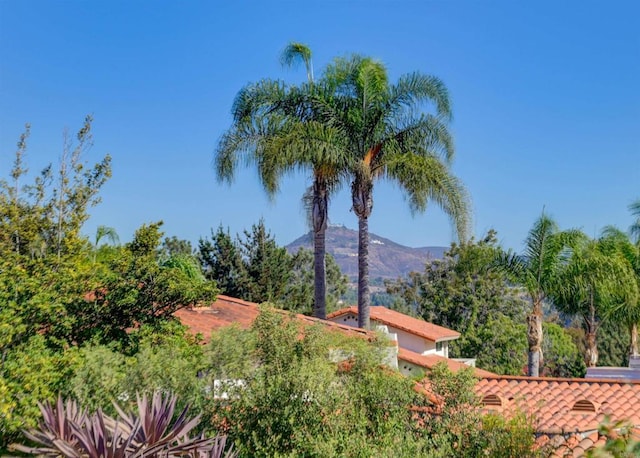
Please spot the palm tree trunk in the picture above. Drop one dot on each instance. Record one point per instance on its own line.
(364, 300)
(633, 331)
(534, 338)
(320, 213)
(362, 199)
(591, 352)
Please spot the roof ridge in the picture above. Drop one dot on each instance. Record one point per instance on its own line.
(404, 322)
(234, 300)
(526, 378)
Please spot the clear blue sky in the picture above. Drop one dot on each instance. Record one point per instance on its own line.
(546, 99)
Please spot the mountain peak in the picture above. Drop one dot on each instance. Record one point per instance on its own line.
(387, 259)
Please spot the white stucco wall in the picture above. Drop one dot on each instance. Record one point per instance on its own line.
(418, 344)
(349, 319)
(406, 340)
(408, 369)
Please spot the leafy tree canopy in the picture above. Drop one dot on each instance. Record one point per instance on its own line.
(254, 268)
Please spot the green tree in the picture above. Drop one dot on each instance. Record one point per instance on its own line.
(298, 401)
(277, 127)
(31, 372)
(561, 355)
(221, 261)
(536, 270)
(140, 287)
(501, 346)
(173, 246)
(253, 267)
(460, 293)
(615, 241)
(268, 266)
(387, 135)
(45, 262)
(299, 296)
(591, 285)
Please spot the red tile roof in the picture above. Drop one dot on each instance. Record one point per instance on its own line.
(563, 406)
(226, 311)
(404, 322)
(428, 361)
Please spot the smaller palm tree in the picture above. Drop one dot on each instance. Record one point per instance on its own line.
(596, 284)
(104, 233)
(617, 242)
(536, 270)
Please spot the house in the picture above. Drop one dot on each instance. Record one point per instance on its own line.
(566, 412)
(419, 335)
(412, 334)
(421, 345)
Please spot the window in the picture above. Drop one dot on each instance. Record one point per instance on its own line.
(438, 346)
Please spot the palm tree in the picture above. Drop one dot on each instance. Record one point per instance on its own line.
(277, 127)
(536, 270)
(387, 136)
(615, 241)
(596, 284)
(104, 233)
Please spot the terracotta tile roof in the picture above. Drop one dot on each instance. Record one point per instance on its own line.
(226, 311)
(404, 322)
(428, 361)
(563, 406)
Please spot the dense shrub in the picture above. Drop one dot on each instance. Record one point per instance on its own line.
(299, 399)
(31, 372)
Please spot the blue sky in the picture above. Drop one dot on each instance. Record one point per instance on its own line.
(546, 99)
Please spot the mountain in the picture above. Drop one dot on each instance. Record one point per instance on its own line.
(387, 259)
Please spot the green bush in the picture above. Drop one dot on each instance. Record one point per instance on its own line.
(298, 399)
(31, 372)
(163, 357)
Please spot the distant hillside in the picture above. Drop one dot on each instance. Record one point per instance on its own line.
(387, 259)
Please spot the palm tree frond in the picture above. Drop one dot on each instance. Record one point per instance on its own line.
(426, 178)
(295, 53)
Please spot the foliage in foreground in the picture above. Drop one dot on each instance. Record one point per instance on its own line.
(164, 357)
(311, 393)
(620, 441)
(315, 393)
(67, 430)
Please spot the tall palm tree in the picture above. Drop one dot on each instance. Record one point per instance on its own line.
(277, 127)
(388, 136)
(536, 270)
(596, 284)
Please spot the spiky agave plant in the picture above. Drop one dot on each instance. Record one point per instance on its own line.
(69, 432)
(57, 428)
